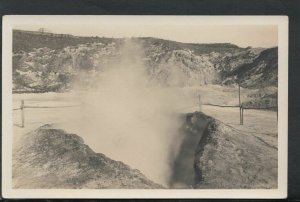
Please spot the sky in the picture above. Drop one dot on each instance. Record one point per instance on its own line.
(242, 35)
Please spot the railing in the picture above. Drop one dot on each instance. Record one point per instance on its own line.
(241, 109)
(23, 106)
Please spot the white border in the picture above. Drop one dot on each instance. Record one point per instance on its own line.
(10, 21)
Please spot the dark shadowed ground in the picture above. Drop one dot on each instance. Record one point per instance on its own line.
(183, 175)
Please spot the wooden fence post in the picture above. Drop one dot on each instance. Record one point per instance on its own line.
(277, 107)
(22, 114)
(200, 104)
(239, 95)
(241, 106)
(242, 114)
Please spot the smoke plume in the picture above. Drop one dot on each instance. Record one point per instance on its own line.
(128, 119)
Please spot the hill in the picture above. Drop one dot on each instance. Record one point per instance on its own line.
(48, 158)
(45, 62)
(30, 40)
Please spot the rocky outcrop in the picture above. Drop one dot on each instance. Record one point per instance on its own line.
(262, 72)
(51, 158)
(70, 62)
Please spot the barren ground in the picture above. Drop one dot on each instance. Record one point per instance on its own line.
(258, 123)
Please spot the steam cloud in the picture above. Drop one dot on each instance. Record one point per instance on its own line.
(130, 120)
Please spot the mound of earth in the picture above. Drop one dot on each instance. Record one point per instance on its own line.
(225, 158)
(216, 156)
(51, 158)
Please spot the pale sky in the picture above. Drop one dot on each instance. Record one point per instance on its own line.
(241, 35)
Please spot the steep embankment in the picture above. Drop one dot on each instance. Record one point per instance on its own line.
(52, 158)
(262, 72)
(183, 175)
(45, 62)
(223, 158)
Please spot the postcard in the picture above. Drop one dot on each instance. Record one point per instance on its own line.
(144, 106)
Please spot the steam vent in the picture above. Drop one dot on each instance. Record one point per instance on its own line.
(211, 155)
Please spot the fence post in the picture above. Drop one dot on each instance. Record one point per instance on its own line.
(242, 114)
(200, 104)
(239, 95)
(241, 106)
(277, 107)
(22, 114)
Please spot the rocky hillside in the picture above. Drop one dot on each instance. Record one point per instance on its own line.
(51, 158)
(53, 62)
(263, 71)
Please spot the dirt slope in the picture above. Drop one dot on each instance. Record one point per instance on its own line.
(52, 158)
(226, 158)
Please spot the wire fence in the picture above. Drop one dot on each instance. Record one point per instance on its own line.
(33, 107)
(23, 106)
(241, 109)
(214, 105)
(260, 108)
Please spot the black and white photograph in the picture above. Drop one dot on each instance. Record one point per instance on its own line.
(145, 106)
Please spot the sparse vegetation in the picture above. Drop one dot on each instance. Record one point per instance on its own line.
(44, 62)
